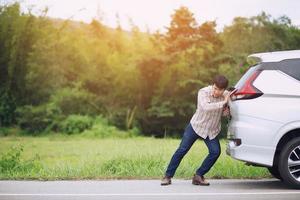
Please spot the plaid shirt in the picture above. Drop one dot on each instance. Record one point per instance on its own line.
(206, 121)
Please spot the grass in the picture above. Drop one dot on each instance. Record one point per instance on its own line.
(72, 157)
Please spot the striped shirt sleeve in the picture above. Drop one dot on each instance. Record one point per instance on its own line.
(206, 104)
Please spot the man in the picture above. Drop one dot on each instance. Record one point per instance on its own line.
(205, 124)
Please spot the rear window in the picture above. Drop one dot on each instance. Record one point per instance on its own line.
(245, 77)
(291, 67)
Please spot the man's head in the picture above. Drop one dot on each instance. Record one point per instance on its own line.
(220, 83)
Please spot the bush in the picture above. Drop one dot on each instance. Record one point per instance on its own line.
(10, 131)
(11, 162)
(75, 124)
(102, 129)
(74, 101)
(62, 113)
(38, 119)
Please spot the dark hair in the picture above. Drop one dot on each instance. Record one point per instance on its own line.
(221, 81)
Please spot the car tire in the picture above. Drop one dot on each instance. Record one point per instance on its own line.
(275, 172)
(290, 171)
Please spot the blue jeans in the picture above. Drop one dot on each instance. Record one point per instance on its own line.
(188, 139)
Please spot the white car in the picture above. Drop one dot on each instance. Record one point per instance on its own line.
(265, 126)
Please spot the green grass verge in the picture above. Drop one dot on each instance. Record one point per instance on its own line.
(67, 157)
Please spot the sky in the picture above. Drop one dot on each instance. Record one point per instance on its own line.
(155, 15)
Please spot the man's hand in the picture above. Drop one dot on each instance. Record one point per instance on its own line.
(228, 94)
(226, 111)
(227, 97)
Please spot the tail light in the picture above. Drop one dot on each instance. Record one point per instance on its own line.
(247, 90)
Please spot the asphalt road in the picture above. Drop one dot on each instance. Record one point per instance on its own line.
(147, 189)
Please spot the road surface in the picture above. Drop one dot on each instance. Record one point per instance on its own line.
(226, 189)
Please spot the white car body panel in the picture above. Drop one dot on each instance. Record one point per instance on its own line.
(275, 56)
(260, 123)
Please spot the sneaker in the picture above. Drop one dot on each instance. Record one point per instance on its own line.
(166, 181)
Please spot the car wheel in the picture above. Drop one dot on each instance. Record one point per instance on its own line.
(289, 163)
(274, 171)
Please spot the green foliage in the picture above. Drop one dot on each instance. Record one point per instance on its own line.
(123, 118)
(17, 38)
(11, 162)
(93, 158)
(10, 131)
(74, 101)
(141, 166)
(182, 32)
(38, 119)
(75, 124)
(258, 34)
(51, 69)
(7, 109)
(102, 129)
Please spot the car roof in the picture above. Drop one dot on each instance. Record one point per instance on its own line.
(275, 56)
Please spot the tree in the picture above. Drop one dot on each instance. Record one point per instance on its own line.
(183, 31)
(16, 40)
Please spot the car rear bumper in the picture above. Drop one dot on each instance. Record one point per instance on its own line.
(251, 140)
(251, 154)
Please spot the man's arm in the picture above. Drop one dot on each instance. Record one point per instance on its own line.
(205, 103)
(226, 109)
